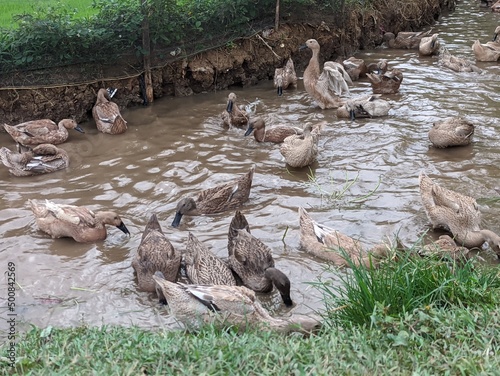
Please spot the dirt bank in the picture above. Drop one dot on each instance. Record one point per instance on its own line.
(244, 62)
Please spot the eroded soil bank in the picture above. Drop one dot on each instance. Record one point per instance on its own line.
(244, 62)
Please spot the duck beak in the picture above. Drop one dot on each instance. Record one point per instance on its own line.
(249, 130)
(79, 129)
(495, 37)
(123, 228)
(280, 91)
(229, 107)
(177, 220)
(287, 300)
(303, 47)
(352, 115)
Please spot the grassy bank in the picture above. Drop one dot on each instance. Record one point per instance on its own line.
(434, 341)
(10, 8)
(411, 315)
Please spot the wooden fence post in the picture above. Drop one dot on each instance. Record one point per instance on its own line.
(146, 50)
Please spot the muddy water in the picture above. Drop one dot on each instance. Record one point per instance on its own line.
(177, 146)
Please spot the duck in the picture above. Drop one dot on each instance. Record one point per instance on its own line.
(333, 246)
(456, 213)
(233, 115)
(452, 131)
(301, 150)
(328, 85)
(42, 159)
(495, 35)
(455, 63)
(385, 81)
(364, 106)
(285, 77)
(77, 222)
(217, 199)
(42, 131)
(253, 261)
(485, 52)
(355, 68)
(276, 134)
(106, 114)
(203, 267)
(155, 253)
(445, 246)
(496, 7)
(226, 306)
(429, 45)
(405, 39)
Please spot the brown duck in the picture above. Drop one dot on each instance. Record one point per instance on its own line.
(233, 115)
(77, 222)
(285, 77)
(43, 131)
(203, 267)
(253, 261)
(226, 306)
(328, 244)
(107, 116)
(220, 198)
(456, 213)
(452, 131)
(155, 253)
(42, 159)
(275, 134)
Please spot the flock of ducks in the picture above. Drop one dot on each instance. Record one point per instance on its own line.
(222, 291)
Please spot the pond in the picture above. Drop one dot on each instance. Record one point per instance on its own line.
(364, 184)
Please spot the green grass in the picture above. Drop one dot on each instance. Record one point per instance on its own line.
(10, 8)
(425, 342)
(408, 283)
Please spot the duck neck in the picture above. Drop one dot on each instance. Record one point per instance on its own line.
(281, 282)
(260, 134)
(471, 239)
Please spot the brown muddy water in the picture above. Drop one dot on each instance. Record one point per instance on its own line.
(177, 146)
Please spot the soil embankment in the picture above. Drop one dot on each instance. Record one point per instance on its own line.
(244, 62)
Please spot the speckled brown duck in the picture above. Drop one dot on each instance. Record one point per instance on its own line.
(107, 116)
(203, 267)
(275, 134)
(452, 131)
(155, 253)
(253, 261)
(42, 159)
(77, 222)
(328, 244)
(445, 246)
(227, 196)
(285, 77)
(456, 213)
(226, 306)
(43, 131)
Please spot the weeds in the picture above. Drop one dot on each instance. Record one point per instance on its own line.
(338, 191)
